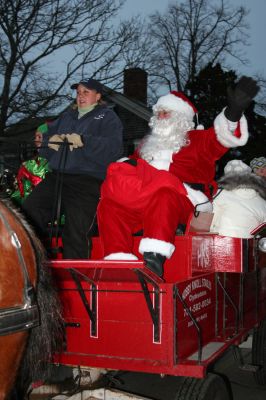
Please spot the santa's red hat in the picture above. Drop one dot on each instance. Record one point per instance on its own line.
(176, 101)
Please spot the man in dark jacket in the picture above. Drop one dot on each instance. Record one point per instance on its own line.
(79, 146)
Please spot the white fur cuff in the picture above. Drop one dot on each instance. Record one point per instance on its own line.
(198, 199)
(157, 246)
(224, 134)
(122, 159)
(121, 256)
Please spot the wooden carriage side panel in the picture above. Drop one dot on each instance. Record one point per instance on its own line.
(196, 314)
(124, 336)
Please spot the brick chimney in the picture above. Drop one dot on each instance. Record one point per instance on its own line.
(135, 84)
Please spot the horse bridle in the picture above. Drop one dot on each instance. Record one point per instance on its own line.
(26, 316)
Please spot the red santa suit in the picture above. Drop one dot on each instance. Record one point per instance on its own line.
(155, 195)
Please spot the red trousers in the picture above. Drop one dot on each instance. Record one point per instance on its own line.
(158, 214)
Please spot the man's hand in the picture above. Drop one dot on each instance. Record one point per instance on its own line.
(55, 141)
(240, 97)
(74, 140)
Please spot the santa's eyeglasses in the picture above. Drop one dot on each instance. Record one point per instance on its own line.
(163, 114)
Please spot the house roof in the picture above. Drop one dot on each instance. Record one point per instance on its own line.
(135, 107)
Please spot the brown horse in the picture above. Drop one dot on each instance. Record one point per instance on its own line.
(31, 326)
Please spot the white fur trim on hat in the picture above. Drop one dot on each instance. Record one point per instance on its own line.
(224, 134)
(121, 256)
(157, 246)
(173, 103)
(236, 166)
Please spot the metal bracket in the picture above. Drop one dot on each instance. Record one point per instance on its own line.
(91, 310)
(195, 324)
(153, 310)
(232, 304)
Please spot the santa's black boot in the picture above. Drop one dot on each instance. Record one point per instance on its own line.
(154, 261)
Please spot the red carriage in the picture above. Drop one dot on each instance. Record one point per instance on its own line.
(120, 316)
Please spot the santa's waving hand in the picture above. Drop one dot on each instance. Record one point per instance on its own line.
(169, 174)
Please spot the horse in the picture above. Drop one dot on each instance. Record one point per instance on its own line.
(31, 324)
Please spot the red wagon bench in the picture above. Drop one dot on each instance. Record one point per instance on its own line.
(120, 316)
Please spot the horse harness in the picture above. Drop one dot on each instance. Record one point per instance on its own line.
(26, 316)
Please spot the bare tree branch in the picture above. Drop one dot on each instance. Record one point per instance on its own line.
(46, 43)
(191, 35)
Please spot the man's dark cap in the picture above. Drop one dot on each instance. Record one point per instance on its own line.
(89, 84)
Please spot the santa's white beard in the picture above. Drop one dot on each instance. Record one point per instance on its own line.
(166, 134)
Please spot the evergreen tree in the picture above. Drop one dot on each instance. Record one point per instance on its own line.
(208, 92)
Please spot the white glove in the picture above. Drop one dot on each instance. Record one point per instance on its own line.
(74, 140)
(55, 141)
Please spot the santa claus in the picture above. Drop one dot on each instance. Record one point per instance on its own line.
(170, 174)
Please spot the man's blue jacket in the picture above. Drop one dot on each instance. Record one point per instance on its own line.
(101, 132)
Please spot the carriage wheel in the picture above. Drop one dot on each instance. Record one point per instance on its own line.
(259, 353)
(213, 387)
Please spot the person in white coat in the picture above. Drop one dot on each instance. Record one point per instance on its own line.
(240, 205)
